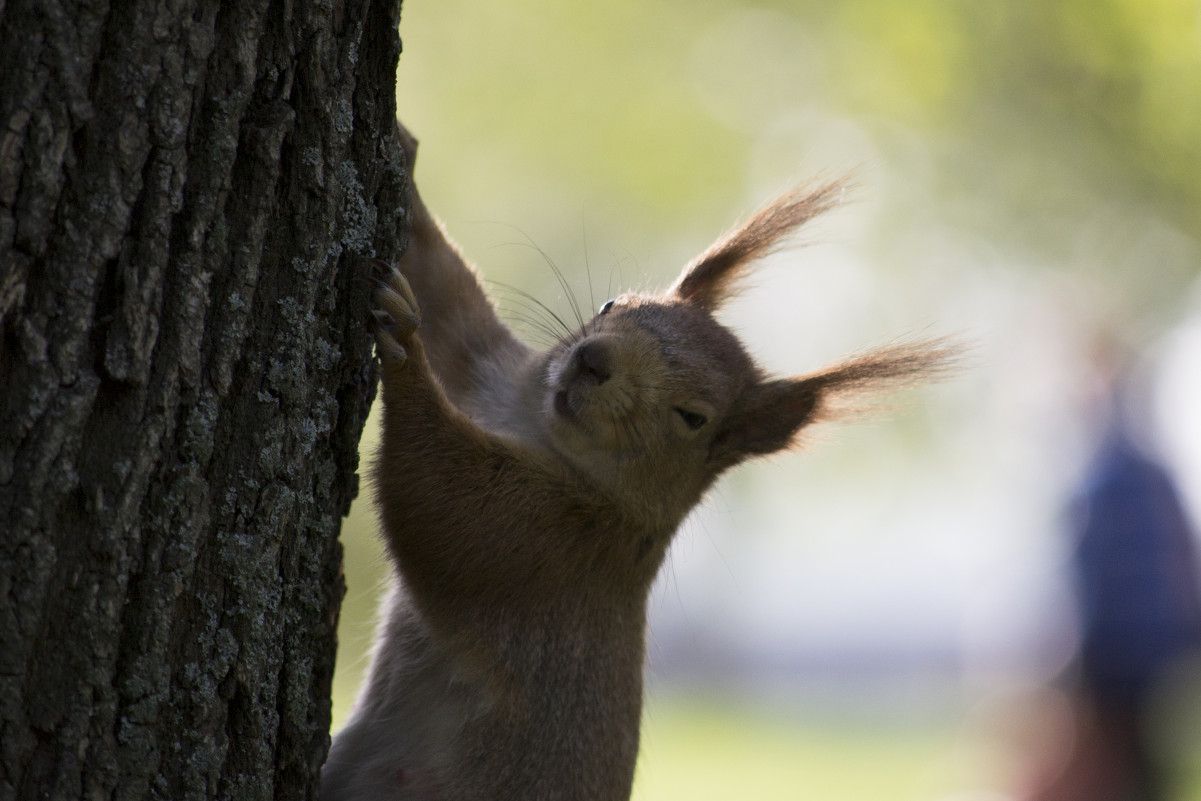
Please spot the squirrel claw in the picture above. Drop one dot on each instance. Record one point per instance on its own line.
(383, 321)
(389, 349)
(377, 270)
(397, 318)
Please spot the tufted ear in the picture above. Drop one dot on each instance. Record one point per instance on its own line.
(770, 414)
(765, 420)
(712, 277)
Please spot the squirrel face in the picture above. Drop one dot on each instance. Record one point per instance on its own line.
(652, 399)
(636, 397)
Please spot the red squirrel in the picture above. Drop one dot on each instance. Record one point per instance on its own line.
(527, 499)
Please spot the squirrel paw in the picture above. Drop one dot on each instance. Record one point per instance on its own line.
(397, 318)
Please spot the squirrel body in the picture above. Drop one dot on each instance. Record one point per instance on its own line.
(527, 500)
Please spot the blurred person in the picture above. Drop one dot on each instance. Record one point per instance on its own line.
(1135, 570)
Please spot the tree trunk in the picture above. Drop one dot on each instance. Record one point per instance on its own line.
(185, 368)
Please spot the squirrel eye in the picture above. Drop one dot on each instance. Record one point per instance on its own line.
(604, 309)
(691, 419)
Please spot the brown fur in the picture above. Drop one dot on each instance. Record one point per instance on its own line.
(712, 276)
(528, 499)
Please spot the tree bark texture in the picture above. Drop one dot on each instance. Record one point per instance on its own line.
(186, 188)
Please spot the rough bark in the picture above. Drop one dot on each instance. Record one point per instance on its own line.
(185, 369)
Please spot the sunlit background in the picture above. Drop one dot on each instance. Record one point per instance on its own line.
(877, 616)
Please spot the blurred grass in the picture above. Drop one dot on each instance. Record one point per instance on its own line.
(707, 750)
(703, 748)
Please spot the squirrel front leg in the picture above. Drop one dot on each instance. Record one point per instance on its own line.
(464, 516)
(464, 332)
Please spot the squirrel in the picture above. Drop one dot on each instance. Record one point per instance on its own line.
(527, 500)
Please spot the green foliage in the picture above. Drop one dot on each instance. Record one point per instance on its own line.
(1019, 120)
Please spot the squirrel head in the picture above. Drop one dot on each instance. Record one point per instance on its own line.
(653, 398)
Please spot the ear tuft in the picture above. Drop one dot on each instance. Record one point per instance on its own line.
(852, 385)
(770, 415)
(711, 277)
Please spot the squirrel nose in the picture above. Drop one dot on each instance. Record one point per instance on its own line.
(593, 361)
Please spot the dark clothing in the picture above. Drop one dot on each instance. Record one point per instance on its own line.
(1137, 572)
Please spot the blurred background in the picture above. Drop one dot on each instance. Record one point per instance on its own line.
(892, 612)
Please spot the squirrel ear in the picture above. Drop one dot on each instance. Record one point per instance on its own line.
(765, 420)
(769, 415)
(711, 278)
